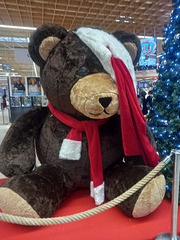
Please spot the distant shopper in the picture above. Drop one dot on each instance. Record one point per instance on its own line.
(4, 103)
(149, 99)
(144, 109)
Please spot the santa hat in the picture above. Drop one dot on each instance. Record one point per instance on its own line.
(98, 41)
(117, 61)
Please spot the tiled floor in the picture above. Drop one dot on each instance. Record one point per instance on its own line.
(3, 130)
(4, 116)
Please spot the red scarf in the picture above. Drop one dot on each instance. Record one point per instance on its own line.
(133, 122)
(74, 138)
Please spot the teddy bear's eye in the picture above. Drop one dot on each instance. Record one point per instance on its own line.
(82, 71)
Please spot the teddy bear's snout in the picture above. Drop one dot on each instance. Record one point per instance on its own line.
(95, 96)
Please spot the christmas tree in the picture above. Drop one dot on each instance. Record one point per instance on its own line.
(164, 117)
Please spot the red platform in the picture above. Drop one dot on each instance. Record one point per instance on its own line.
(111, 224)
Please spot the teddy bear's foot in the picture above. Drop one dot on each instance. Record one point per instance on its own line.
(119, 179)
(37, 194)
(150, 197)
(14, 204)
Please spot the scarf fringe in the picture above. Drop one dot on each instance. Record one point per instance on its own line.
(70, 149)
(97, 193)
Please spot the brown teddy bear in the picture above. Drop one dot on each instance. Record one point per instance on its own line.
(93, 132)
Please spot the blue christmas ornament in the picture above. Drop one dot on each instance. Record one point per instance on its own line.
(171, 49)
(167, 82)
(155, 89)
(177, 16)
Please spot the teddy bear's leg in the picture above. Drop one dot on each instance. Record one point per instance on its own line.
(121, 177)
(37, 194)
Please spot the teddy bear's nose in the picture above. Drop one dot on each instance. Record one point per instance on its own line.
(105, 101)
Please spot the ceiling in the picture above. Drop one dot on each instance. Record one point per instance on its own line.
(143, 17)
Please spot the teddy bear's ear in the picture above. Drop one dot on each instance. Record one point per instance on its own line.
(43, 40)
(131, 43)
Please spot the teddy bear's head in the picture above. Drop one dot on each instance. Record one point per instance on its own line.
(76, 72)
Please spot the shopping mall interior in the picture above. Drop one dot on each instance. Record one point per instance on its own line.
(21, 90)
(20, 18)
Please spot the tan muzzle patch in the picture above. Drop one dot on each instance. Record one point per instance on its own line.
(95, 96)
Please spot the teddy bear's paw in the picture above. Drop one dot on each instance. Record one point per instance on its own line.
(150, 197)
(14, 204)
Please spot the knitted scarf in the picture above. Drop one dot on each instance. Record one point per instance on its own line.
(71, 148)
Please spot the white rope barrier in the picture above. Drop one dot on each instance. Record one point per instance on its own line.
(75, 217)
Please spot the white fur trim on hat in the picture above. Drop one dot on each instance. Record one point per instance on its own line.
(98, 41)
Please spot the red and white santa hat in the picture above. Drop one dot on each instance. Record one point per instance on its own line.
(98, 41)
(117, 61)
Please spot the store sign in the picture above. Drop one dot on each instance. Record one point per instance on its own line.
(148, 52)
(21, 55)
(143, 84)
(6, 67)
(143, 74)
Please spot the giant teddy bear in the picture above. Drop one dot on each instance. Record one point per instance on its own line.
(92, 134)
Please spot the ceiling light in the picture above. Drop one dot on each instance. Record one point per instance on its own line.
(117, 20)
(18, 27)
(122, 16)
(126, 21)
(159, 38)
(14, 74)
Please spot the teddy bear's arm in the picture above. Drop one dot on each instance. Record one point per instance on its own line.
(17, 151)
